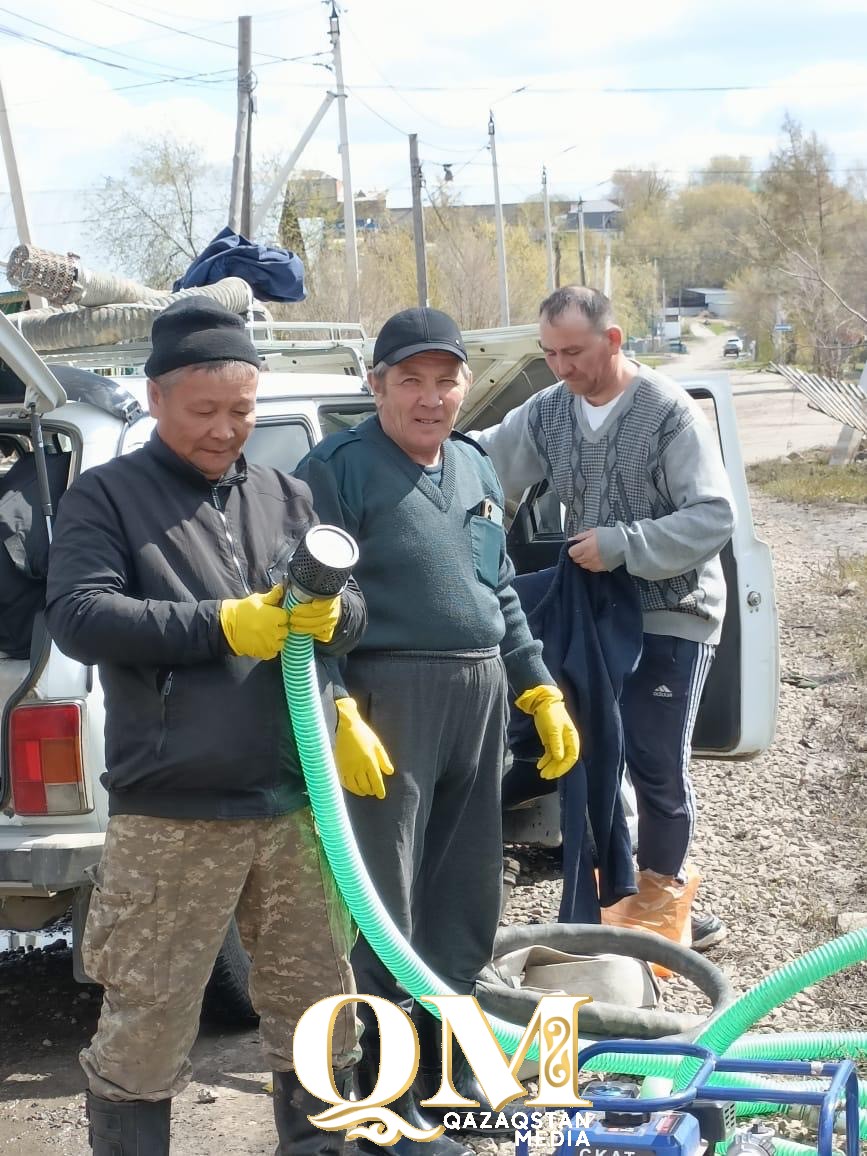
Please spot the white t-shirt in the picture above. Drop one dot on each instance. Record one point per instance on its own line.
(596, 414)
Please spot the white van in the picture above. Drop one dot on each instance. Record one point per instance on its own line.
(53, 808)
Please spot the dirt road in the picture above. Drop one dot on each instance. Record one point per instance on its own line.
(773, 418)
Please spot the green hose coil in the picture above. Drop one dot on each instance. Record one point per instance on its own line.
(721, 1036)
(776, 989)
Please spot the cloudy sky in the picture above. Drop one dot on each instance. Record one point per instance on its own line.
(582, 88)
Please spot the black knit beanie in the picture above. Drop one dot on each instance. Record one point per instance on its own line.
(197, 329)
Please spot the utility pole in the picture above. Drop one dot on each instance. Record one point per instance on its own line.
(247, 193)
(242, 125)
(350, 238)
(549, 247)
(582, 256)
(15, 191)
(501, 233)
(418, 222)
(606, 280)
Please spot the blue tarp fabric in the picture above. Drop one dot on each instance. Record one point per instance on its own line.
(273, 274)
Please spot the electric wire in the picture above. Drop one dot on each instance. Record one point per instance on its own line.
(27, 38)
(81, 40)
(178, 31)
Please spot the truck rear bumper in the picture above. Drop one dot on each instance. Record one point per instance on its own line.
(54, 862)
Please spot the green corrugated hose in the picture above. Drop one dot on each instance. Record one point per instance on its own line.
(335, 832)
(326, 797)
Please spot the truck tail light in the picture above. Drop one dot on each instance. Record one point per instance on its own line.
(46, 770)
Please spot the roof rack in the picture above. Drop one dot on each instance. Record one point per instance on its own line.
(287, 346)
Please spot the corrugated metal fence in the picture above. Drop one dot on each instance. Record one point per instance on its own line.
(843, 400)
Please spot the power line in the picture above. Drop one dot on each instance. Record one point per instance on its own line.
(81, 40)
(219, 75)
(392, 87)
(175, 29)
(597, 90)
(28, 39)
(372, 110)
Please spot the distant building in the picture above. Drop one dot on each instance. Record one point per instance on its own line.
(311, 188)
(691, 302)
(598, 216)
(370, 210)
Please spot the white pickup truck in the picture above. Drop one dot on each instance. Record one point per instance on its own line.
(53, 810)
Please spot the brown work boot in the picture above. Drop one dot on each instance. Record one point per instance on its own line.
(663, 904)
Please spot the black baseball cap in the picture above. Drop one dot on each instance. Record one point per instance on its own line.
(417, 331)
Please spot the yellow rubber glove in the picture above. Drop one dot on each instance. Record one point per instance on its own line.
(257, 625)
(360, 757)
(318, 618)
(558, 733)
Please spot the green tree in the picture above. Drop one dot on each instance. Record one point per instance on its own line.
(804, 240)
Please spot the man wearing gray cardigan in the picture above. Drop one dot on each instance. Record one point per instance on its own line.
(638, 469)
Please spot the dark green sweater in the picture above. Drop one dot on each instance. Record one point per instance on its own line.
(434, 572)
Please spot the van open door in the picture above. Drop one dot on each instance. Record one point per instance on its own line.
(738, 710)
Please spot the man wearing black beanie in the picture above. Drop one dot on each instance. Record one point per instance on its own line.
(161, 575)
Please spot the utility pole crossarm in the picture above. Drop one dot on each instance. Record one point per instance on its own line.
(418, 222)
(350, 236)
(549, 244)
(15, 190)
(501, 233)
(286, 171)
(242, 127)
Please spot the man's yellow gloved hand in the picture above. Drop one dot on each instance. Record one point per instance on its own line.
(257, 625)
(318, 618)
(559, 736)
(360, 757)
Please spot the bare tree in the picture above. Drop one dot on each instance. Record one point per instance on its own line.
(640, 190)
(151, 223)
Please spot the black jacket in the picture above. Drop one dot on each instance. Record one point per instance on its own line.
(590, 627)
(144, 550)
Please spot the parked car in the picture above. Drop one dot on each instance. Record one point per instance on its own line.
(675, 345)
(733, 345)
(53, 808)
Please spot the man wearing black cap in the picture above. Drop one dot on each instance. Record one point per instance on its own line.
(160, 575)
(445, 640)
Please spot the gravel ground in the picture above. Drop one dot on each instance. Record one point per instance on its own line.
(780, 845)
(780, 840)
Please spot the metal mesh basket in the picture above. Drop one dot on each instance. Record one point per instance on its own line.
(48, 275)
(323, 561)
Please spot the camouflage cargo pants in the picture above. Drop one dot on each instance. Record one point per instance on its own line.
(165, 892)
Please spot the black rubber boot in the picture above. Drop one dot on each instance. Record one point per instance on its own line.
(429, 1031)
(128, 1127)
(296, 1136)
(406, 1106)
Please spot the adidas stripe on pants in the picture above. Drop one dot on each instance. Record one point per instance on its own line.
(658, 706)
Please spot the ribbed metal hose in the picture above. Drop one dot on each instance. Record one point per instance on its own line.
(64, 281)
(109, 324)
